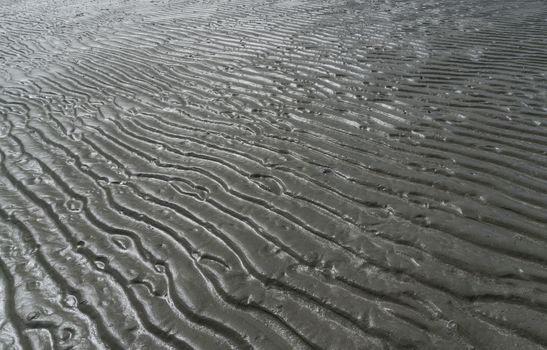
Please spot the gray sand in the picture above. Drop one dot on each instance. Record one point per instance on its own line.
(242, 174)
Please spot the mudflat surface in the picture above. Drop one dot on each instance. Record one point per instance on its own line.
(273, 174)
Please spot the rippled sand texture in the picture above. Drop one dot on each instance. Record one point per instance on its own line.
(273, 174)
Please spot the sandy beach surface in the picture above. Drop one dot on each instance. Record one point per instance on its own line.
(273, 174)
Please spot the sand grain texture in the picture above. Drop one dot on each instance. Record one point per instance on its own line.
(273, 174)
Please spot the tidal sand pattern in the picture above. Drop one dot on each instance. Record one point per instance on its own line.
(280, 174)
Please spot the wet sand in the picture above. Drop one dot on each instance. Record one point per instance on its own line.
(273, 174)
